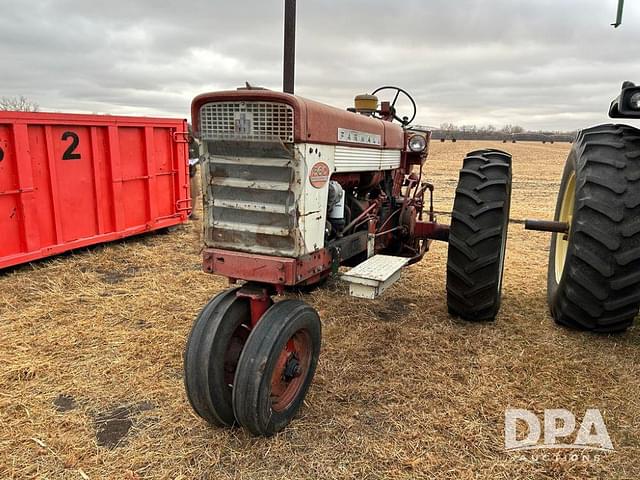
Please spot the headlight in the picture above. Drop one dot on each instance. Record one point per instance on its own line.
(634, 101)
(417, 143)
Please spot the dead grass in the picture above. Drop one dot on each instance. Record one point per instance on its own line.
(402, 391)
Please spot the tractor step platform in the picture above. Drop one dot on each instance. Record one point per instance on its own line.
(374, 276)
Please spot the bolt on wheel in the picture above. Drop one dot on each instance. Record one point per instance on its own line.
(276, 367)
(289, 373)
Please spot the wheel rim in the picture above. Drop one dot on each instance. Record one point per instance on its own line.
(232, 354)
(292, 367)
(503, 248)
(566, 215)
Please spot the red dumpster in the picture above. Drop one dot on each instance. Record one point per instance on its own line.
(68, 181)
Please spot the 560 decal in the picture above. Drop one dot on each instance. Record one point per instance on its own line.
(319, 175)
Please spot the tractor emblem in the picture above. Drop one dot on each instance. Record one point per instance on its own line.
(319, 175)
(242, 124)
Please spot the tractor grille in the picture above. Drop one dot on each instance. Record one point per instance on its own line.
(253, 121)
(250, 204)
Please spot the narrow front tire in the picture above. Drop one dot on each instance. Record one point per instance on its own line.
(276, 367)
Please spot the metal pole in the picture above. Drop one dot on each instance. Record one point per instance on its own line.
(619, 15)
(289, 62)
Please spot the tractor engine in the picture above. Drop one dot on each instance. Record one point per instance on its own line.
(284, 176)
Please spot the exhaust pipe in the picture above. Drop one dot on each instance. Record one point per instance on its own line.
(289, 63)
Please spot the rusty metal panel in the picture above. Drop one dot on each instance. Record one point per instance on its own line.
(251, 198)
(68, 181)
(265, 268)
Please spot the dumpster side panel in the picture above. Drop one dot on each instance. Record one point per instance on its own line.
(44, 186)
(75, 174)
(10, 208)
(164, 164)
(132, 176)
(68, 181)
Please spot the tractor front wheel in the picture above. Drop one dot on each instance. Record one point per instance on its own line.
(211, 355)
(478, 235)
(276, 367)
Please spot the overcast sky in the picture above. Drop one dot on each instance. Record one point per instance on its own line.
(540, 63)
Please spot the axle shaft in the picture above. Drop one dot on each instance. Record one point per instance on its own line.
(546, 226)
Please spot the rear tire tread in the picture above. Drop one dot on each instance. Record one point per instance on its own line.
(606, 234)
(478, 229)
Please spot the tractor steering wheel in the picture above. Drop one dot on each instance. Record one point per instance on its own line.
(403, 120)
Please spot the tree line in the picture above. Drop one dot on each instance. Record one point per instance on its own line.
(509, 132)
(18, 104)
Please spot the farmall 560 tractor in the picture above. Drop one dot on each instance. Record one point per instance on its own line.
(293, 189)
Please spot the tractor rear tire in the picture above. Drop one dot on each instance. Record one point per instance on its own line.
(478, 235)
(593, 280)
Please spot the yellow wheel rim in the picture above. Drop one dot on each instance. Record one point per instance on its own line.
(566, 215)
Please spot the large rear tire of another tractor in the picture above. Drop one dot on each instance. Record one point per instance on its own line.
(276, 367)
(478, 235)
(211, 355)
(593, 278)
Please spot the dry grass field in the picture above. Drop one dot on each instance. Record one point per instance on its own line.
(91, 365)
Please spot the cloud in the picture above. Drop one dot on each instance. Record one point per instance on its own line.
(541, 64)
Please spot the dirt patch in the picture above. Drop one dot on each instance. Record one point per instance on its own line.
(394, 309)
(64, 403)
(112, 426)
(113, 277)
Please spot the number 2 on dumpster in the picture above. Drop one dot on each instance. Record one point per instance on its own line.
(69, 153)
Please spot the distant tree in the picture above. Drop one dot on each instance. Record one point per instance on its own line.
(448, 127)
(18, 104)
(509, 129)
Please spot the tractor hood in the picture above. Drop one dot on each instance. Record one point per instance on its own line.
(314, 122)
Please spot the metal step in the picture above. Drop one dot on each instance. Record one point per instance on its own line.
(374, 276)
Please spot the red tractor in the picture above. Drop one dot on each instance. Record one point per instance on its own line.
(293, 189)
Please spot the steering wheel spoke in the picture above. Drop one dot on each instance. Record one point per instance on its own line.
(395, 99)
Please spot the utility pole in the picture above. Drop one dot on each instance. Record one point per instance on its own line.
(289, 63)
